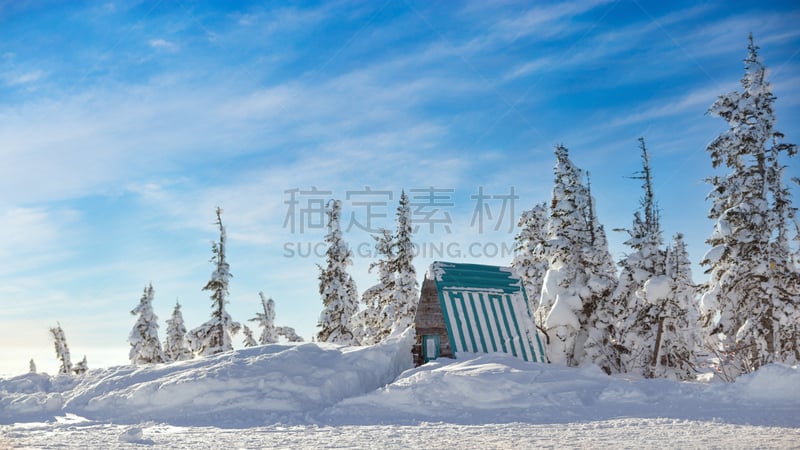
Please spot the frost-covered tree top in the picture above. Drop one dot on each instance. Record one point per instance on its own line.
(220, 278)
(145, 346)
(751, 118)
(646, 231)
(569, 203)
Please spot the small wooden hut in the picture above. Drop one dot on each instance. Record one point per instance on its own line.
(472, 308)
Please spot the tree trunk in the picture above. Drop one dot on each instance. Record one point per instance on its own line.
(657, 348)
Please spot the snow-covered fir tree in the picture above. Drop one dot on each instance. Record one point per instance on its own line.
(62, 350)
(266, 321)
(145, 345)
(289, 333)
(373, 323)
(82, 367)
(750, 306)
(391, 304)
(529, 257)
(336, 286)
(175, 346)
(635, 322)
(406, 287)
(32, 366)
(249, 340)
(674, 297)
(567, 282)
(270, 333)
(215, 336)
(601, 313)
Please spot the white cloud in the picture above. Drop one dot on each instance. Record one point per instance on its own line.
(162, 44)
(693, 104)
(17, 79)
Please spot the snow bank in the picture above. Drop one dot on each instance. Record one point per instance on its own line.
(319, 384)
(255, 386)
(497, 388)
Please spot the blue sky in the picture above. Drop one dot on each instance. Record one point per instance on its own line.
(124, 124)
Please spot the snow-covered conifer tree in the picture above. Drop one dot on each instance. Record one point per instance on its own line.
(289, 333)
(62, 350)
(752, 299)
(635, 322)
(406, 287)
(336, 286)
(529, 258)
(249, 340)
(566, 280)
(374, 322)
(175, 346)
(32, 366)
(82, 367)
(266, 320)
(145, 346)
(214, 336)
(390, 305)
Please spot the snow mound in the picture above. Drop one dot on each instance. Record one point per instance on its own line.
(772, 383)
(255, 386)
(497, 388)
(320, 384)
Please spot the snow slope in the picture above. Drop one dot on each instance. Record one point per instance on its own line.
(318, 395)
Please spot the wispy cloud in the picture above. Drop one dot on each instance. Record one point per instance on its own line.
(35, 235)
(163, 44)
(693, 104)
(24, 78)
(542, 21)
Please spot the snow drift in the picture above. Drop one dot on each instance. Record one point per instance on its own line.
(322, 384)
(496, 388)
(255, 386)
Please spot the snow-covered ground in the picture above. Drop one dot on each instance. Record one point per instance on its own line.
(318, 395)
